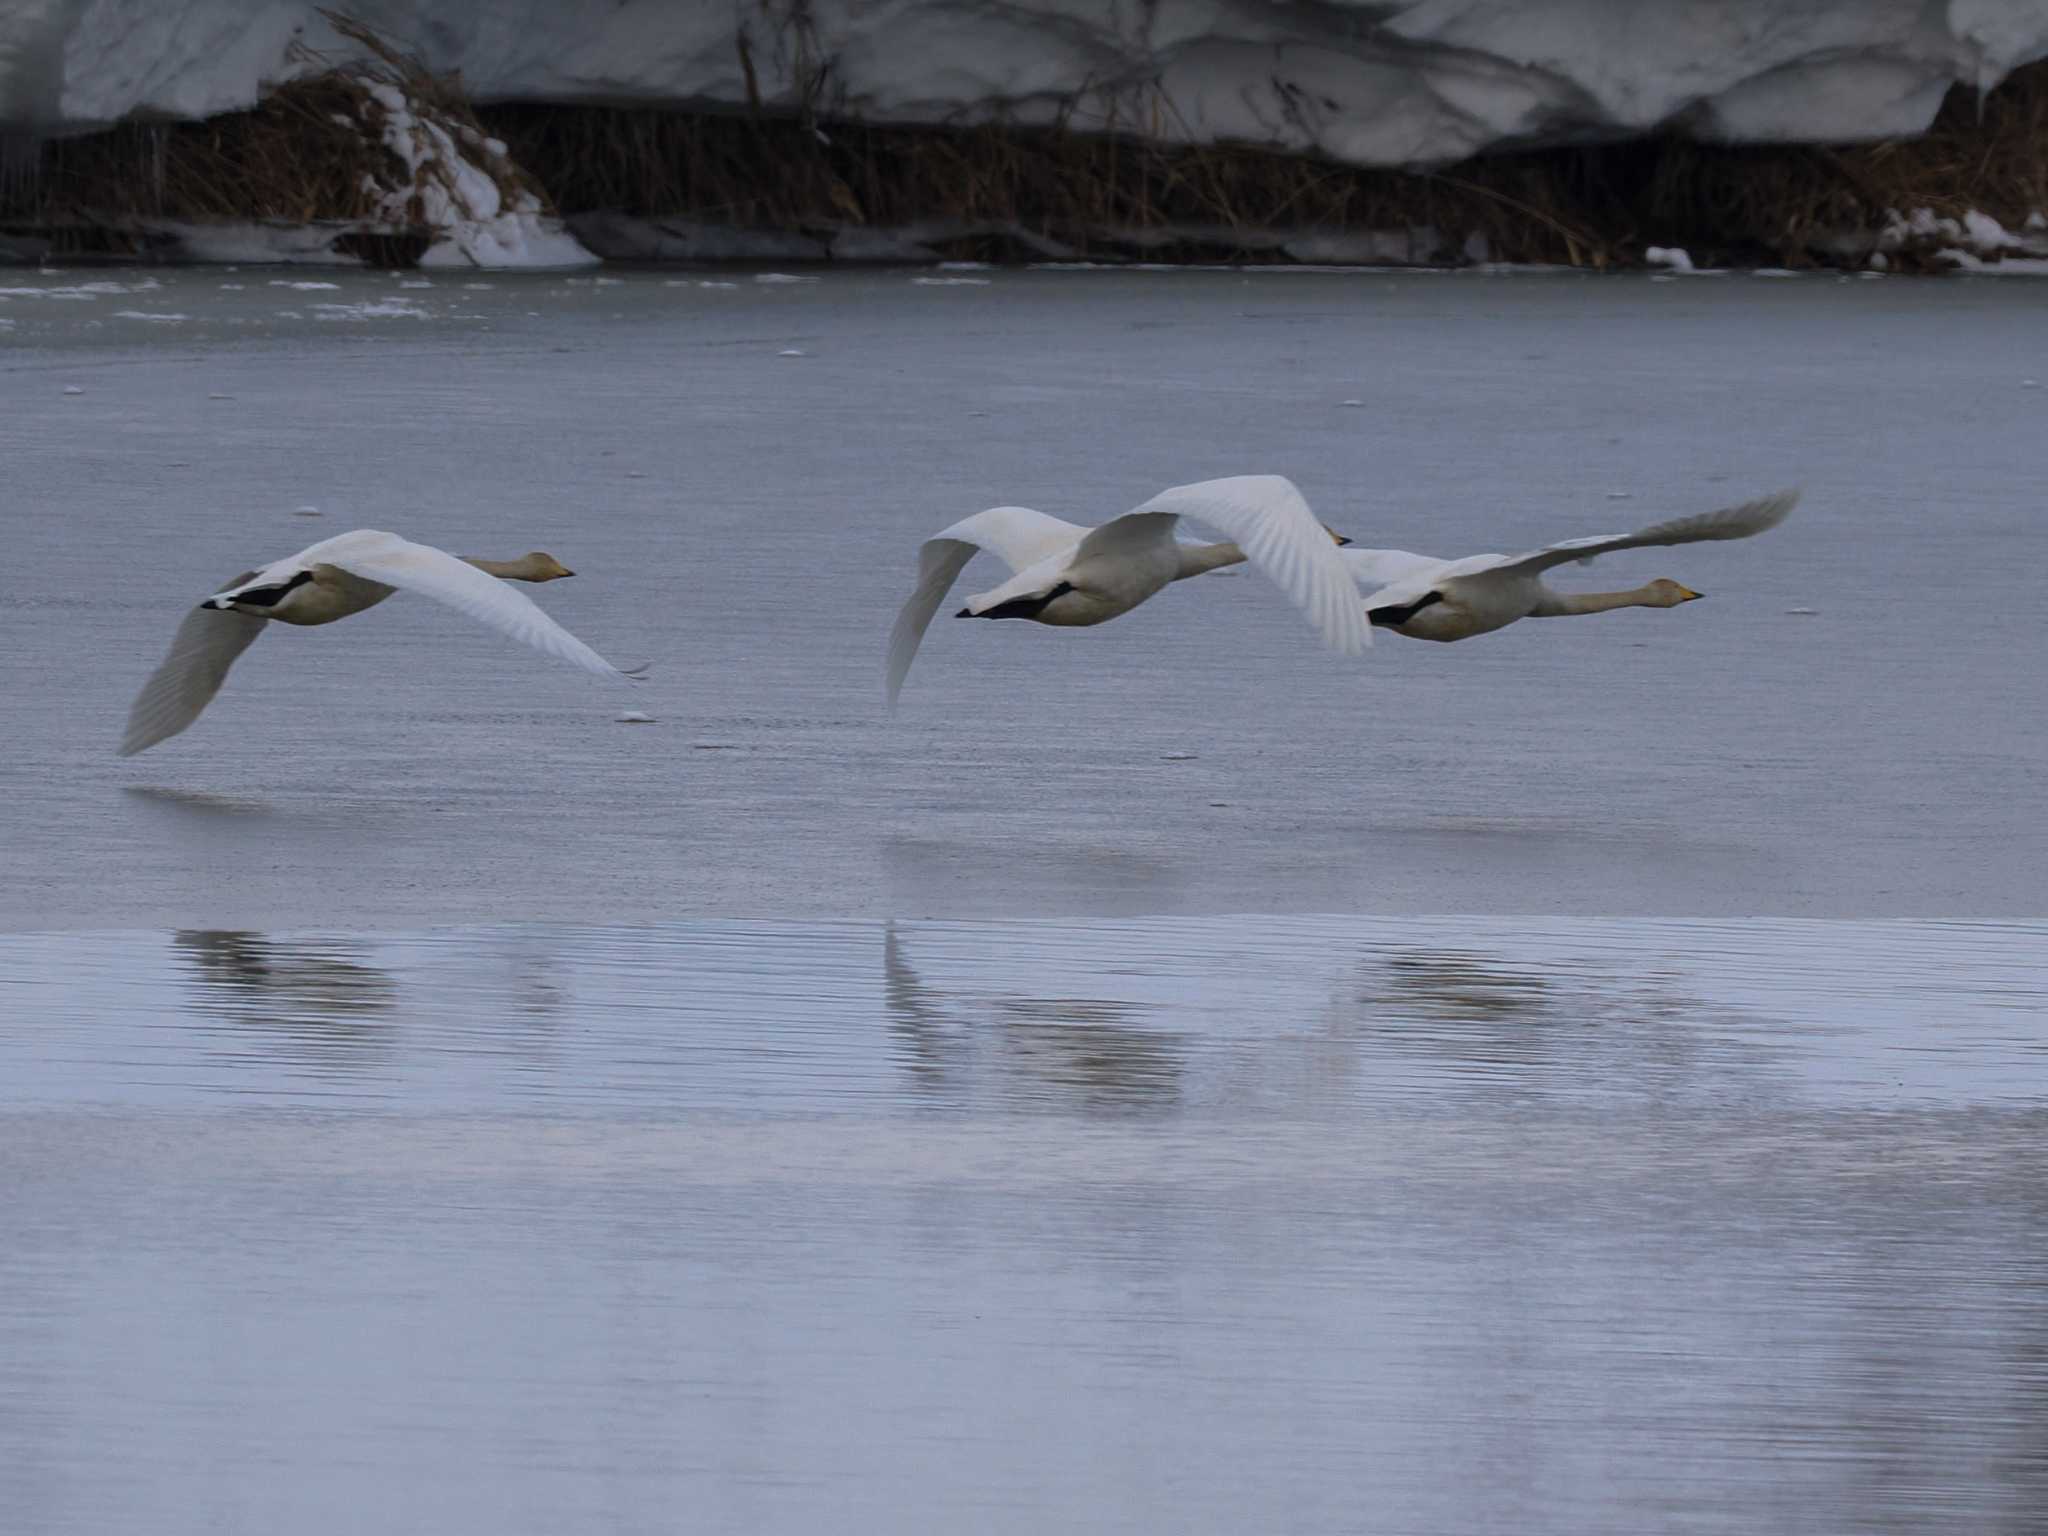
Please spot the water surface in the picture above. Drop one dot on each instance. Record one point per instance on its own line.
(1214, 1225)
(1838, 731)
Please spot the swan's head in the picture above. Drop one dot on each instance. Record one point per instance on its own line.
(544, 567)
(1341, 539)
(1666, 593)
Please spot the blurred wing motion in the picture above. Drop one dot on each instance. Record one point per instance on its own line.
(203, 649)
(1266, 517)
(1742, 522)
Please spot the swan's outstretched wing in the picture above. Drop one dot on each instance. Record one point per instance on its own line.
(203, 649)
(437, 574)
(1372, 569)
(1745, 521)
(1017, 536)
(1268, 519)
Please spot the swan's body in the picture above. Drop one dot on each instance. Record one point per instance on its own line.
(1069, 575)
(332, 580)
(1430, 599)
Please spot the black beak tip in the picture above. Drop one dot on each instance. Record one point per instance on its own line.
(964, 613)
(568, 573)
(1342, 540)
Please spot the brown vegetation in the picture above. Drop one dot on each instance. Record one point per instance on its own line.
(310, 152)
(1597, 207)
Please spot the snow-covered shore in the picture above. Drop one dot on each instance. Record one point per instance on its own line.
(1367, 82)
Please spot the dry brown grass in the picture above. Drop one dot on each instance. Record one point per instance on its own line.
(1585, 207)
(1988, 153)
(1067, 187)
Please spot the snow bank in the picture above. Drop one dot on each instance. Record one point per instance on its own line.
(1974, 243)
(454, 182)
(1372, 82)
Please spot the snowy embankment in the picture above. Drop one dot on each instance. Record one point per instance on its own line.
(441, 179)
(1369, 83)
(1365, 82)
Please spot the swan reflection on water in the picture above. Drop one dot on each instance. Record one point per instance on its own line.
(1048, 1053)
(316, 1000)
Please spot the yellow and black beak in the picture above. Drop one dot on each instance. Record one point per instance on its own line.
(1687, 595)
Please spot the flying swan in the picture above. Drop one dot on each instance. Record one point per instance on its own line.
(332, 580)
(1066, 574)
(1430, 599)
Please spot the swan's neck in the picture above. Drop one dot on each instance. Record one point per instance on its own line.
(522, 569)
(1197, 558)
(1559, 605)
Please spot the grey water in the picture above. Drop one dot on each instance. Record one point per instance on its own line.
(1845, 727)
(427, 1102)
(1121, 1225)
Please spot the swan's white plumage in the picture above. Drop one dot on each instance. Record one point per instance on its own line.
(1264, 515)
(1372, 569)
(1017, 536)
(410, 567)
(212, 636)
(1485, 592)
(1269, 519)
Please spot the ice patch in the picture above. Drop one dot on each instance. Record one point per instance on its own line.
(143, 314)
(285, 282)
(781, 277)
(371, 309)
(1670, 256)
(80, 291)
(951, 282)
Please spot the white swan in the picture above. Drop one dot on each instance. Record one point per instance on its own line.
(332, 580)
(1070, 575)
(1430, 599)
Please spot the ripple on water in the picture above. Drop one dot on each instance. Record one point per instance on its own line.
(1207, 1225)
(1221, 1018)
